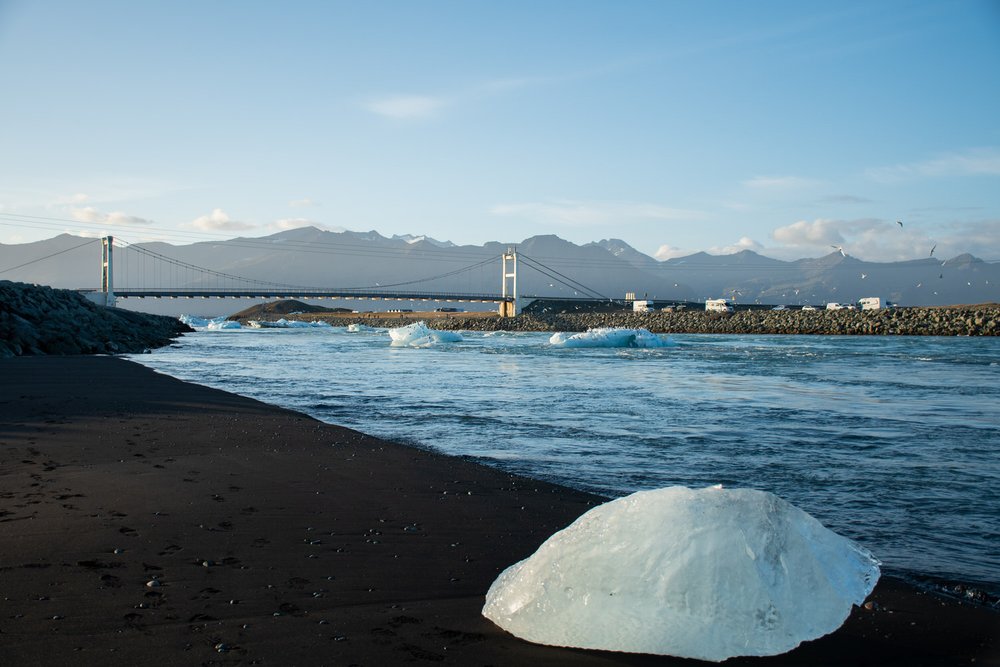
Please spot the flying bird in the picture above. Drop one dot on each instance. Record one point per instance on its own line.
(840, 249)
(900, 223)
(864, 275)
(932, 250)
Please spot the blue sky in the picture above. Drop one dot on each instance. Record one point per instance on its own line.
(783, 127)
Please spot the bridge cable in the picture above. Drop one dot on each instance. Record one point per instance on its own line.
(538, 266)
(218, 274)
(19, 266)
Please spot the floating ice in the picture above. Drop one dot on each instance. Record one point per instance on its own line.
(363, 328)
(708, 574)
(219, 324)
(286, 324)
(214, 324)
(609, 337)
(419, 334)
(194, 321)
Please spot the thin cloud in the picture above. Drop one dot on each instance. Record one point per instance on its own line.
(582, 213)
(219, 220)
(982, 161)
(846, 199)
(779, 183)
(91, 215)
(404, 107)
(305, 202)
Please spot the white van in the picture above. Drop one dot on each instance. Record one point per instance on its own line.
(718, 306)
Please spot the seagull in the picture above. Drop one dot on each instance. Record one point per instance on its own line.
(839, 248)
(864, 275)
(900, 223)
(932, 251)
(920, 284)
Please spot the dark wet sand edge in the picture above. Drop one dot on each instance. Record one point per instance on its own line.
(147, 519)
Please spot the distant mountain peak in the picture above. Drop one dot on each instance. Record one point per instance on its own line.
(412, 238)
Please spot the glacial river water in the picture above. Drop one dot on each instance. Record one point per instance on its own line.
(892, 441)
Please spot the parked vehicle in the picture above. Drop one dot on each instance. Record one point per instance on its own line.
(718, 306)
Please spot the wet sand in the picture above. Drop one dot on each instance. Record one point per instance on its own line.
(147, 520)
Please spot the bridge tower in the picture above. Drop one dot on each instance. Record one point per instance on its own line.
(106, 297)
(509, 305)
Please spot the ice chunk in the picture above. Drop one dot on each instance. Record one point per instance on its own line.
(609, 337)
(286, 324)
(194, 321)
(363, 328)
(419, 334)
(708, 574)
(214, 324)
(219, 324)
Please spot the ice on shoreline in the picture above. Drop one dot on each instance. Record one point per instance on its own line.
(211, 324)
(708, 574)
(610, 337)
(419, 334)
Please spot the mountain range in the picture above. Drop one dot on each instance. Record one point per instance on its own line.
(547, 266)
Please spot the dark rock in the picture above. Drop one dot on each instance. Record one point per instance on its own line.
(36, 319)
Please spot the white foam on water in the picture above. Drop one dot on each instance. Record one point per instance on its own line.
(708, 574)
(610, 337)
(419, 334)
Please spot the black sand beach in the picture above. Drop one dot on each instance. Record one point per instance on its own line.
(144, 520)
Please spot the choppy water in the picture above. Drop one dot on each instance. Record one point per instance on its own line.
(893, 441)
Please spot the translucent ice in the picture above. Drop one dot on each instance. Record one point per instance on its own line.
(708, 574)
(219, 324)
(194, 320)
(362, 328)
(419, 334)
(609, 337)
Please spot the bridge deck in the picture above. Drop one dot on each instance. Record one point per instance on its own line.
(345, 295)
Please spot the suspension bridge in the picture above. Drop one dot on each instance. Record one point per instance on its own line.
(182, 275)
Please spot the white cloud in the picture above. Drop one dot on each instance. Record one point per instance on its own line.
(783, 183)
(583, 213)
(305, 202)
(819, 232)
(669, 252)
(218, 220)
(91, 215)
(407, 106)
(866, 238)
(745, 243)
(982, 161)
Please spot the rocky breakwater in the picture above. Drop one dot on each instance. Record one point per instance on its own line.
(945, 321)
(41, 320)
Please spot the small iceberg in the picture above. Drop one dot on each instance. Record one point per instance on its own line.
(708, 574)
(286, 324)
(419, 334)
(213, 324)
(363, 328)
(610, 337)
(222, 324)
(194, 321)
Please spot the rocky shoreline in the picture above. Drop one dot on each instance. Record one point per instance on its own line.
(980, 320)
(35, 319)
